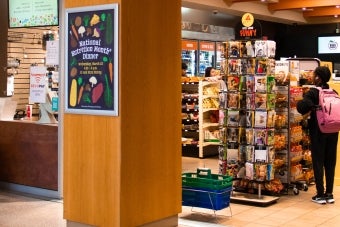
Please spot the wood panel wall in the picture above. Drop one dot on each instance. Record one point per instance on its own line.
(26, 45)
(126, 170)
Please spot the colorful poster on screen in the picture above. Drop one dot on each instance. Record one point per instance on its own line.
(32, 13)
(92, 61)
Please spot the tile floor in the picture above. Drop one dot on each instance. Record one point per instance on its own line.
(290, 210)
(18, 210)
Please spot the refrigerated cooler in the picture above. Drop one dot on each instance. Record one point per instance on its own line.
(200, 54)
(190, 55)
(207, 57)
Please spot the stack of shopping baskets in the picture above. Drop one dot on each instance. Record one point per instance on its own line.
(206, 190)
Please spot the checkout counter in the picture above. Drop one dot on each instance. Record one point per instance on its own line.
(28, 155)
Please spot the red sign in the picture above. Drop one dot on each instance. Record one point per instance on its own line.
(189, 45)
(207, 46)
(248, 32)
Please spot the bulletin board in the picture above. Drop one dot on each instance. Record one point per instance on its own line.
(91, 55)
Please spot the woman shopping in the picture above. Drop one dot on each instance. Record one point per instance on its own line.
(323, 145)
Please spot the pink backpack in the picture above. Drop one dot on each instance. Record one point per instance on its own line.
(328, 111)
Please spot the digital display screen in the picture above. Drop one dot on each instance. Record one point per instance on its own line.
(329, 44)
(32, 13)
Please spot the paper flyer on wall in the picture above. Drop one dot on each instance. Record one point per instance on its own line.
(38, 84)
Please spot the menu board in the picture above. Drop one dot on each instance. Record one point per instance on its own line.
(92, 60)
(32, 13)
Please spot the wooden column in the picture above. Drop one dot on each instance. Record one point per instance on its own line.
(126, 170)
(3, 49)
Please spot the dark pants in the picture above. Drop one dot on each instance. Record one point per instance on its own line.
(324, 148)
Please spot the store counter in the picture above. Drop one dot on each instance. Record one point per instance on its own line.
(29, 154)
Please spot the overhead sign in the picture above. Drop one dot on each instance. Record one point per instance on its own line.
(249, 28)
(247, 20)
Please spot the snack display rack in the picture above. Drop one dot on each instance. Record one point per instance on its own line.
(300, 161)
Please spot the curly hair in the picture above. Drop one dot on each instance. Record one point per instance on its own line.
(323, 73)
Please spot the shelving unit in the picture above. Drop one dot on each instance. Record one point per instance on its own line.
(190, 119)
(209, 118)
(200, 119)
(300, 161)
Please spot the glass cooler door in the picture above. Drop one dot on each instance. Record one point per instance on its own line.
(189, 55)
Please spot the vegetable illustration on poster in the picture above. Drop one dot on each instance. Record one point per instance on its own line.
(92, 60)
